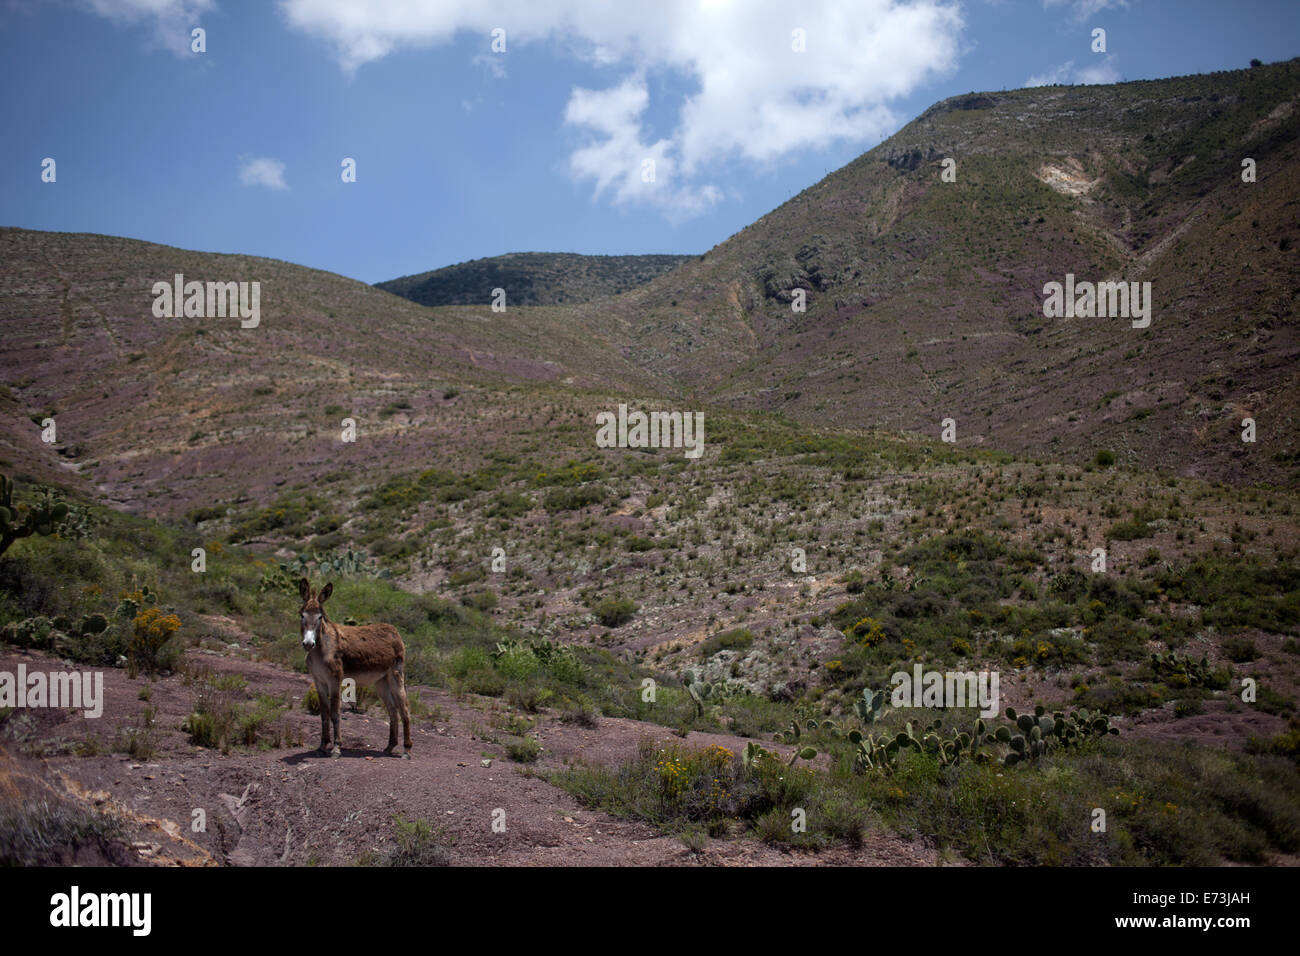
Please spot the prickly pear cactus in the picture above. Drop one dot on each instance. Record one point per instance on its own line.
(1042, 733)
(22, 521)
(869, 706)
(702, 692)
(284, 577)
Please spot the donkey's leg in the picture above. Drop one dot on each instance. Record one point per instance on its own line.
(404, 706)
(323, 695)
(334, 716)
(385, 691)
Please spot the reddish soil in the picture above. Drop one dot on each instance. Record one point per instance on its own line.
(294, 806)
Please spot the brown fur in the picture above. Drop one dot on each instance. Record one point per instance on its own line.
(368, 653)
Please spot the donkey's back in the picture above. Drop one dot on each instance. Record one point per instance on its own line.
(369, 651)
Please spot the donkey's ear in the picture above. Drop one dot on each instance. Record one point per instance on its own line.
(304, 590)
(325, 592)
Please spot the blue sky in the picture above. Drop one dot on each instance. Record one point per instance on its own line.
(463, 152)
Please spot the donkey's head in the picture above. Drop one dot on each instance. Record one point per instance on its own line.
(313, 611)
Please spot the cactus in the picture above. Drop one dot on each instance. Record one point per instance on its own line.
(22, 521)
(128, 607)
(286, 574)
(790, 736)
(33, 632)
(869, 706)
(1031, 737)
(1023, 738)
(881, 752)
(701, 692)
(754, 753)
(1182, 671)
(802, 753)
(874, 753)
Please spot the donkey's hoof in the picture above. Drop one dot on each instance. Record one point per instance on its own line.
(336, 752)
(406, 755)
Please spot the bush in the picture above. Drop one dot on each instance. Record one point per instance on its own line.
(614, 611)
(580, 713)
(1130, 530)
(484, 600)
(571, 499)
(738, 640)
(566, 668)
(418, 844)
(1239, 650)
(510, 505)
(518, 662)
(148, 648)
(523, 749)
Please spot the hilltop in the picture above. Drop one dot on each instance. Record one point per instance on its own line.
(532, 278)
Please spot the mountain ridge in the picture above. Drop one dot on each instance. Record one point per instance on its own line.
(532, 278)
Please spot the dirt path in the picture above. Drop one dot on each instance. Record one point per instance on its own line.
(292, 806)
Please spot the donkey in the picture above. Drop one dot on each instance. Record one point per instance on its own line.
(370, 654)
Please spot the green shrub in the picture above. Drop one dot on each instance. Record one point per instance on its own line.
(1130, 530)
(614, 611)
(419, 844)
(1239, 650)
(739, 640)
(572, 499)
(523, 749)
(518, 663)
(483, 601)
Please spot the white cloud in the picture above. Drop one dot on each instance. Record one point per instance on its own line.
(753, 98)
(620, 162)
(262, 171)
(1061, 74)
(1081, 10)
(170, 20)
(1102, 72)
(494, 63)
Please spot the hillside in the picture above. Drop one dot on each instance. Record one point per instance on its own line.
(924, 302)
(925, 297)
(532, 278)
(528, 678)
(162, 415)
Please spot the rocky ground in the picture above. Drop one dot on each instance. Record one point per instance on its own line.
(291, 805)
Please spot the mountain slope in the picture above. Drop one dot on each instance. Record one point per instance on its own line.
(925, 297)
(170, 412)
